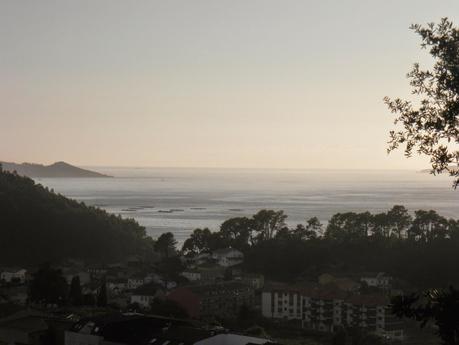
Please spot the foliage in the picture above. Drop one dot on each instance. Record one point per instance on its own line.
(48, 286)
(168, 308)
(165, 244)
(431, 127)
(75, 294)
(203, 240)
(39, 225)
(438, 306)
(170, 269)
(101, 299)
(266, 223)
(417, 249)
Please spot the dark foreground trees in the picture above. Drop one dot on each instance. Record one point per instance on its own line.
(431, 127)
(430, 124)
(438, 307)
(48, 286)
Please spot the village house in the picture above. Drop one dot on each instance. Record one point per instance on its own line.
(199, 259)
(378, 280)
(11, 275)
(192, 274)
(228, 257)
(206, 273)
(117, 285)
(222, 299)
(135, 281)
(145, 294)
(325, 309)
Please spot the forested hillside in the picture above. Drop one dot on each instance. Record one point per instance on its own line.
(38, 225)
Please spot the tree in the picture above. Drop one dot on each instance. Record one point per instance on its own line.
(438, 306)
(168, 308)
(381, 225)
(349, 226)
(432, 126)
(427, 226)
(198, 241)
(432, 129)
(75, 295)
(266, 223)
(237, 231)
(284, 234)
(203, 240)
(170, 269)
(312, 230)
(315, 228)
(101, 300)
(48, 286)
(165, 244)
(399, 219)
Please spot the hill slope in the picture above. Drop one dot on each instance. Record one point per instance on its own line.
(37, 225)
(58, 169)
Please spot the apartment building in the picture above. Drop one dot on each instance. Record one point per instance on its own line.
(327, 309)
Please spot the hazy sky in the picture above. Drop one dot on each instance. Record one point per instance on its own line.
(237, 83)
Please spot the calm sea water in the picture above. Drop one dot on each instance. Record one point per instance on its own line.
(180, 200)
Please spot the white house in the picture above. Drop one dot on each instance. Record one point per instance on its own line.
(378, 280)
(135, 282)
(144, 295)
(12, 275)
(228, 257)
(192, 274)
(117, 285)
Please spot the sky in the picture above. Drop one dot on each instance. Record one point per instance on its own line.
(208, 83)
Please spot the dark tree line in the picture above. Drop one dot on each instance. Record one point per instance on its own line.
(419, 248)
(48, 286)
(37, 225)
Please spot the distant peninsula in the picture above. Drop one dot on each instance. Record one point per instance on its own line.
(58, 169)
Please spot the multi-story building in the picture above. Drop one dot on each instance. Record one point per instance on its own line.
(327, 309)
(222, 299)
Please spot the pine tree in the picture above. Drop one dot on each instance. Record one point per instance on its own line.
(75, 295)
(102, 295)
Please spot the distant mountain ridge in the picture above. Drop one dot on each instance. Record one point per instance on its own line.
(58, 169)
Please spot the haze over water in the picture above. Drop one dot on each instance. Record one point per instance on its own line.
(180, 200)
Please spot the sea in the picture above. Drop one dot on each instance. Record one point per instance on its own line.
(182, 199)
